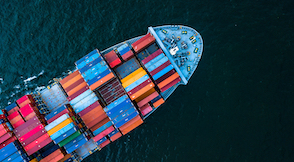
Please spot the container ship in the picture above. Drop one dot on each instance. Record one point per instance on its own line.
(107, 95)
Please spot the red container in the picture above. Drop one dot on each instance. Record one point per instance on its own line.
(159, 68)
(143, 42)
(158, 103)
(165, 76)
(39, 146)
(115, 137)
(13, 115)
(112, 59)
(76, 94)
(128, 55)
(145, 109)
(57, 158)
(65, 111)
(99, 124)
(93, 114)
(170, 84)
(2, 116)
(52, 156)
(3, 126)
(104, 144)
(80, 81)
(7, 142)
(33, 137)
(140, 86)
(111, 85)
(102, 81)
(99, 119)
(31, 132)
(131, 127)
(69, 77)
(152, 56)
(103, 133)
(32, 123)
(17, 124)
(115, 63)
(25, 100)
(12, 110)
(27, 109)
(141, 39)
(89, 108)
(4, 131)
(5, 137)
(30, 116)
(147, 99)
(37, 141)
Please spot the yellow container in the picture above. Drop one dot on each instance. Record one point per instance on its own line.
(132, 74)
(134, 78)
(60, 126)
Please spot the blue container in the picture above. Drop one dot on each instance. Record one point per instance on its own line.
(137, 82)
(162, 72)
(2, 121)
(84, 103)
(123, 115)
(125, 120)
(125, 50)
(65, 135)
(12, 157)
(11, 106)
(153, 61)
(94, 73)
(94, 68)
(74, 141)
(101, 140)
(98, 77)
(157, 64)
(113, 132)
(50, 150)
(86, 61)
(113, 113)
(56, 122)
(102, 128)
(120, 48)
(156, 99)
(55, 112)
(81, 96)
(90, 65)
(77, 145)
(62, 131)
(115, 103)
(9, 150)
(86, 57)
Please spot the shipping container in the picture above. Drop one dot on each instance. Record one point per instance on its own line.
(114, 96)
(32, 123)
(30, 133)
(4, 131)
(72, 81)
(89, 108)
(127, 68)
(100, 124)
(74, 141)
(130, 122)
(12, 110)
(55, 112)
(17, 124)
(103, 133)
(159, 68)
(5, 137)
(27, 109)
(174, 82)
(11, 106)
(70, 138)
(96, 112)
(138, 87)
(134, 78)
(77, 88)
(127, 55)
(72, 86)
(51, 156)
(137, 82)
(33, 137)
(90, 65)
(25, 100)
(15, 119)
(101, 140)
(7, 142)
(99, 76)
(154, 60)
(79, 95)
(115, 137)
(94, 71)
(112, 58)
(84, 103)
(125, 120)
(162, 72)
(143, 42)
(62, 131)
(30, 116)
(88, 60)
(87, 56)
(102, 128)
(145, 109)
(60, 126)
(57, 158)
(104, 144)
(96, 120)
(124, 115)
(49, 149)
(142, 91)
(152, 56)
(67, 157)
(131, 127)
(157, 64)
(65, 111)
(168, 80)
(76, 146)
(65, 135)
(147, 99)
(115, 103)
(36, 141)
(13, 115)
(101, 81)
(158, 103)
(113, 113)
(165, 76)
(8, 150)
(69, 77)
(56, 122)
(39, 146)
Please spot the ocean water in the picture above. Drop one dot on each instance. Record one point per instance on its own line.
(238, 106)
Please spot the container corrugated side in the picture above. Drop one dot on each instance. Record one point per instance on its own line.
(55, 112)
(125, 120)
(65, 135)
(143, 42)
(159, 68)
(174, 82)
(168, 80)
(77, 145)
(70, 138)
(30, 133)
(39, 146)
(56, 122)
(152, 56)
(89, 108)
(132, 126)
(62, 131)
(103, 134)
(60, 126)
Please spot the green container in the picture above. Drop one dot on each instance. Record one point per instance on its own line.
(68, 139)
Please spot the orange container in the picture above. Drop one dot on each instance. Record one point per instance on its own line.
(69, 77)
(72, 81)
(56, 158)
(67, 156)
(158, 103)
(98, 125)
(77, 88)
(115, 137)
(147, 99)
(96, 120)
(131, 127)
(145, 95)
(168, 80)
(52, 156)
(104, 144)
(101, 81)
(37, 141)
(93, 114)
(129, 123)
(142, 91)
(15, 119)
(17, 124)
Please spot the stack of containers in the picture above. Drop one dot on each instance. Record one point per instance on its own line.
(112, 59)
(52, 153)
(15, 119)
(13, 152)
(87, 149)
(29, 111)
(111, 91)
(6, 136)
(11, 108)
(65, 132)
(137, 83)
(79, 94)
(32, 135)
(94, 69)
(67, 158)
(114, 135)
(156, 102)
(103, 142)
(121, 112)
(125, 51)
(161, 70)
(142, 43)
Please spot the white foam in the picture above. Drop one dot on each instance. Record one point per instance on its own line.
(16, 86)
(33, 77)
(40, 88)
(1, 80)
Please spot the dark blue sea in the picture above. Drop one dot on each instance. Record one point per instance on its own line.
(238, 106)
